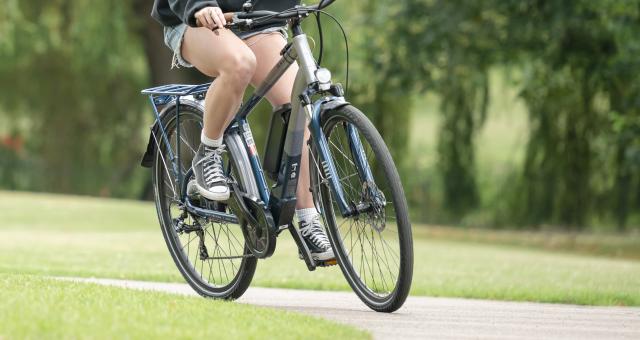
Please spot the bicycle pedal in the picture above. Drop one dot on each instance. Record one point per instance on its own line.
(328, 263)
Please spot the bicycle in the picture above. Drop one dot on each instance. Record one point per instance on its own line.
(354, 182)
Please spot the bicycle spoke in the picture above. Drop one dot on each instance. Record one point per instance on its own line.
(211, 278)
(386, 259)
(369, 264)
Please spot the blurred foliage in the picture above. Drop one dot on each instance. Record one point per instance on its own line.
(71, 71)
(580, 64)
(76, 73)
(582, 93)
(449, 46)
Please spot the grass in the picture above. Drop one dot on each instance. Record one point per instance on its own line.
(623, 246)
(120, 239)
(40, 308)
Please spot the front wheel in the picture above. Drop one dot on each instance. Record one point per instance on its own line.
(374, 248)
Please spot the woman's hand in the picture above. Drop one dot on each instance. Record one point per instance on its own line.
(211, 18)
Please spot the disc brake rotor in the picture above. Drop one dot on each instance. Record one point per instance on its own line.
(375, 198)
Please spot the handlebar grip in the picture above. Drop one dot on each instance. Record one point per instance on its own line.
(244, 19)
(256, 14)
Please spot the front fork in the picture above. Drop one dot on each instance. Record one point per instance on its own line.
(346, 208)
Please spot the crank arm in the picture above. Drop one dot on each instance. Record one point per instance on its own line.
(302, 246)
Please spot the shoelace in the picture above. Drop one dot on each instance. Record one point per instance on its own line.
(315, 233)
(212, 162)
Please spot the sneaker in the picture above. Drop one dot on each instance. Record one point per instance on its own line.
(210, 179)
(316, 239)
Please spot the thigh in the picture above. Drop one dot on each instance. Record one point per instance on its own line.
(266, 48)
(211, 51)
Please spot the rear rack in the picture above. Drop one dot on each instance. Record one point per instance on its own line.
(177, 90)
(163, 95)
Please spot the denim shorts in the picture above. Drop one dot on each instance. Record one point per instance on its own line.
(174, 35)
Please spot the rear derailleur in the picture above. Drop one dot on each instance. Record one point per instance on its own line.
(181, 226)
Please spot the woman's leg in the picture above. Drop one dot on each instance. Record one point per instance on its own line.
(266, 48)
(223, 55)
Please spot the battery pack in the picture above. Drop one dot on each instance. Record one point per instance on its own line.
(275, 141)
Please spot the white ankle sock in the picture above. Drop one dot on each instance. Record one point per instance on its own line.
(306, 214)
(214, 143)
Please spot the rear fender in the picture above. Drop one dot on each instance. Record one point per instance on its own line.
(167, 111)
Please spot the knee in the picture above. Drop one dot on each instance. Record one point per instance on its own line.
(240, 67)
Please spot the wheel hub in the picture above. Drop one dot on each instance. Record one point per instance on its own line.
(376, 200)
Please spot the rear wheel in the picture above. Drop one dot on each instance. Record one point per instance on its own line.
(211, 255)
(374, 248)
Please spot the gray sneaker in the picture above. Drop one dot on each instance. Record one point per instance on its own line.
(316, 239)
(210, 179)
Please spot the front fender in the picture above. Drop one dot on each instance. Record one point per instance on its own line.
(323, 105)
(332, 103)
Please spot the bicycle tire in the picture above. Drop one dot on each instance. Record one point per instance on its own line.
(246, 269)
(322, 194)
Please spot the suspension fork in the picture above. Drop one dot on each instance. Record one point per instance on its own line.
(326, 158)
(359, 156)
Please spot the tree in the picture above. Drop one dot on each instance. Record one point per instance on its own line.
(76, 73)
(581, 96)
(450, 46)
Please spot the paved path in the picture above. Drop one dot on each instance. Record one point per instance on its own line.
(438, 318)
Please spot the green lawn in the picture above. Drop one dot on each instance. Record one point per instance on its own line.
(121, 239)
(38, 308)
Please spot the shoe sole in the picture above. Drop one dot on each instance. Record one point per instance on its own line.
(319, 257)
(211, 195)
(328, 255)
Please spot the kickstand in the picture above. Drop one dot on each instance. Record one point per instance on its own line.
(302, 247)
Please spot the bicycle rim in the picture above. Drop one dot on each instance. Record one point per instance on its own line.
(374, 250)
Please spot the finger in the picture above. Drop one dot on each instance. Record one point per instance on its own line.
(216, 20)
(217, 13)
(223, 20)
(206, 21)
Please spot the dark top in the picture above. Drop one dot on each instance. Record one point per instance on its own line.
(174, 12)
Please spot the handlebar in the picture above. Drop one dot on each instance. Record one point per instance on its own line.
(245, 20)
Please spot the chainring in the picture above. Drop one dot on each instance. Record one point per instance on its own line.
(257, 225)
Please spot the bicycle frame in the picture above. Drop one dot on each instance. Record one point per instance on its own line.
(281, 199)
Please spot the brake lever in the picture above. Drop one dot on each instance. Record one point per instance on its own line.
(241, 24)
(234, 22)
